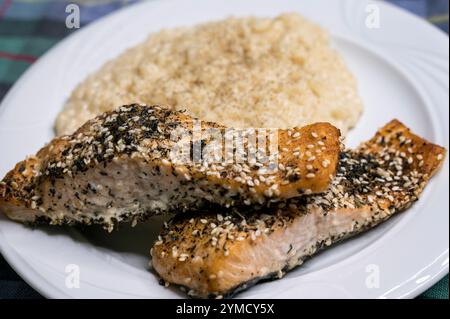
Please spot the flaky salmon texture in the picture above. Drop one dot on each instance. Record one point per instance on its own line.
(122, 166)
(218, 253)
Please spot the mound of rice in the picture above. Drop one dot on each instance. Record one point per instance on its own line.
(241, 72)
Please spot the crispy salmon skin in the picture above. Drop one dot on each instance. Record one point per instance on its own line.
(219, 253)
(121, 166)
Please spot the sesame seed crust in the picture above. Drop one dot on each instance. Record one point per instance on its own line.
(373, 182)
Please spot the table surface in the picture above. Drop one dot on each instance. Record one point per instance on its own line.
(28, 29)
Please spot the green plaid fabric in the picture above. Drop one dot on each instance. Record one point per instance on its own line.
(438, 291)
(28, 28)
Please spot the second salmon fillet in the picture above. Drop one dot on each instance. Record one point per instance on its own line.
(218, 253)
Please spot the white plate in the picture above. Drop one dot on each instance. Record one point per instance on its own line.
(402, 69)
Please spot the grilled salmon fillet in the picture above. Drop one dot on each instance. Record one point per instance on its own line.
(127, 165)
(216, 254)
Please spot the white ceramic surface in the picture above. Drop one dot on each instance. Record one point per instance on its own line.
(402, 70)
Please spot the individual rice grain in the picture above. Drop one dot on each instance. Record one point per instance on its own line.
(241, 72)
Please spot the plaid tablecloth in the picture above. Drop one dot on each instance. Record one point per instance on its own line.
(28, 28)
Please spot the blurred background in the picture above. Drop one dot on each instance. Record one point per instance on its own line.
(28, 28)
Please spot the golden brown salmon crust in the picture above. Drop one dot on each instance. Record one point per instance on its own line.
(121, 166)
(218, 254)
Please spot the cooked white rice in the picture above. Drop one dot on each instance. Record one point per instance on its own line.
(241, 72)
